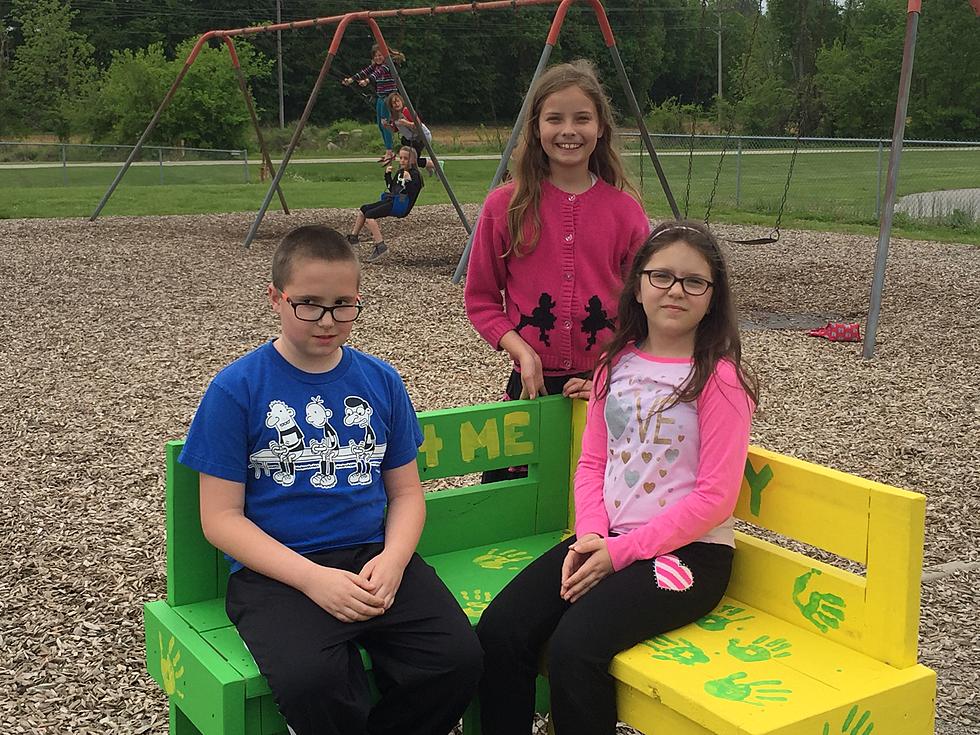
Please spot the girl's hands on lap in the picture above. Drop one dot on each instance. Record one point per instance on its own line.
(578, 388)
(590, 564)
(345, 595)
(384, 575)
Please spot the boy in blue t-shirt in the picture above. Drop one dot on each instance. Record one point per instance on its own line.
(306, 450)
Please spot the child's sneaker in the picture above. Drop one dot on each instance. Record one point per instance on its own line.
(353, 239)
(379, 250)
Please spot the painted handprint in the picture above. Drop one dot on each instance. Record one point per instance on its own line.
(722, 618)
(510, 559)
(762, 648)
(170, 667)
(681, 650)
(475, 602)
(863, 725)
(756, 693)
(824, 609)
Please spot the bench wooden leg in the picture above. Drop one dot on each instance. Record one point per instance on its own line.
(179, 724)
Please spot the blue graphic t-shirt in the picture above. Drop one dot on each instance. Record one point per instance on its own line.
(309, 447)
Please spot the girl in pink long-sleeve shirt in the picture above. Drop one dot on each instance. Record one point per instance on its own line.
(662, 460)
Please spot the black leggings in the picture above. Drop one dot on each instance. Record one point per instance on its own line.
(425, 657)
(579, 639)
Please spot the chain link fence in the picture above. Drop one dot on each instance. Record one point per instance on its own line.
(30, 165)
(832, 178)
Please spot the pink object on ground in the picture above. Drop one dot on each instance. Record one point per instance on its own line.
(838, 332)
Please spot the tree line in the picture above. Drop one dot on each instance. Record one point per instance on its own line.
(98, 69)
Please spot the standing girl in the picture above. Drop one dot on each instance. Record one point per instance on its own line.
(552, 245)
(378, 73)
(663, 452)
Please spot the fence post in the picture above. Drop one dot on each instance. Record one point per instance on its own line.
(245, 162)
(160, 157)
(64, 165)
(738, 173)
(881, 147)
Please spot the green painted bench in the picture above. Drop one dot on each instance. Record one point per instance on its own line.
(796, 646)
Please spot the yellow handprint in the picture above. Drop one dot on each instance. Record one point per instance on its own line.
(475, 602)
(170, 668)
(509, 559)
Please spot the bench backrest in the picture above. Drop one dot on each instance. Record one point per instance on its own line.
(878, 527)
(456, 441)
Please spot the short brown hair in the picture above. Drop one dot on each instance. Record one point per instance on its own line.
(309, 241)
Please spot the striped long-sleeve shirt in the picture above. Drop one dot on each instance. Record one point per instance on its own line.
(380, 74)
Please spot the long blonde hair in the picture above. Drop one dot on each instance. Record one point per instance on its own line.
(533, 166)
(397, 55)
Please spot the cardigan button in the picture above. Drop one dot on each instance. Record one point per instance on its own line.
(566, 364)
(567, 324)
(571, 197)
(569, 237)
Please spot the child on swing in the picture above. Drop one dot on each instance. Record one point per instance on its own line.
(414, 134)
(378, 73)
(663, 452)
(406, 181)
(552, 245)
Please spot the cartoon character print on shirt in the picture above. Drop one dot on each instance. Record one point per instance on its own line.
(282, 418)
(358, 412)
(319, 416)
(595, 321)
(541, 317)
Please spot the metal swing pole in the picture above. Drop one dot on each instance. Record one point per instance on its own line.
(891, 185)
(505, 156)
(294, 141)
(425, 141)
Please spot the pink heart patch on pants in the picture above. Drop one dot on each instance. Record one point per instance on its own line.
(672, 573)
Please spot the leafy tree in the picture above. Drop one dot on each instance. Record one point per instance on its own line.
(858, 79)
(206, 111)
(6, 102)
(945, 95)
(52, 68)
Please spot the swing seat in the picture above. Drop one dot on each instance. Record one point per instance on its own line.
(401, 204)
(773, 237)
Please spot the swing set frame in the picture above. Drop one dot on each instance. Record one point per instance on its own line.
(370, 18)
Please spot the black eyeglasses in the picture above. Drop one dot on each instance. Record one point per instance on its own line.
(665, 280)
(340, 313)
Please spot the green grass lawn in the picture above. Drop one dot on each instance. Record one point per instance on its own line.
(835, 191)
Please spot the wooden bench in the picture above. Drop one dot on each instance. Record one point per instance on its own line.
(796, 646)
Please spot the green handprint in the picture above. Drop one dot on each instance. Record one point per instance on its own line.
(721, 619)
(856, 727)
(682, 650)
(727, 688)
(509, 559)
(761, 649)
(823, 609)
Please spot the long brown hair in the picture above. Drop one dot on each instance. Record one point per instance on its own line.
(397, 55)
(717, 337)
(533, 167)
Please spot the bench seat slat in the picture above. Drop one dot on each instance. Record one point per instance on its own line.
(792, 679)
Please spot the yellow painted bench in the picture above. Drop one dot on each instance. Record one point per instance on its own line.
(797, 646)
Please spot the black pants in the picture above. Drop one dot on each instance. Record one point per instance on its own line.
(579, 639)
(377, 210)
(553, 385)
(419, 147)
(426, 660)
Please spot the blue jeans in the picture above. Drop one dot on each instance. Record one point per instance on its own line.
(381, 112)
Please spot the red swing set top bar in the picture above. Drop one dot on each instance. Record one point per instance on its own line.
(346, 18)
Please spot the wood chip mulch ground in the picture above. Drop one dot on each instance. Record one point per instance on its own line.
(112, 329)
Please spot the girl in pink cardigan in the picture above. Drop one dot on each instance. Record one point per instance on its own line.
(662, 459)
(551, 246)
